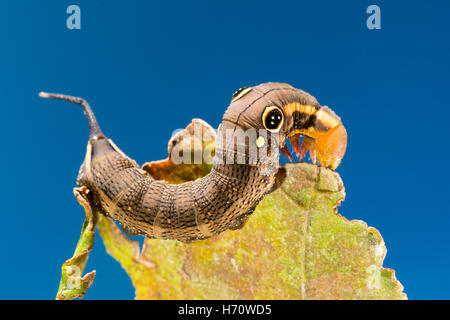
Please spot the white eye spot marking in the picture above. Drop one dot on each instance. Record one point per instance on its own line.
(260, 141)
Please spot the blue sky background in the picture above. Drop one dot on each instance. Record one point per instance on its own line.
(149, 67)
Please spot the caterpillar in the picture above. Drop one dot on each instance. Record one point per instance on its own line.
(223, 199)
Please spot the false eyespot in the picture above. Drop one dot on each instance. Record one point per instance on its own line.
(272, 118)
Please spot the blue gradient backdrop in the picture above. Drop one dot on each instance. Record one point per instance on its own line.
(148, 68)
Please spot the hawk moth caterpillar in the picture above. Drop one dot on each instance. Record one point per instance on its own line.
(223, 199)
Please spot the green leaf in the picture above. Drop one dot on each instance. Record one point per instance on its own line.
(72, 285)
(294, 246)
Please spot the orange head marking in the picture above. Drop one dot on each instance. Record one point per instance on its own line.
(331, 146)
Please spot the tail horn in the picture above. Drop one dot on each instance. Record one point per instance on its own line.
(94, 129)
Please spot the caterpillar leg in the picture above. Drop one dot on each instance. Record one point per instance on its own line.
(300, 148)
(308, 144)
(240, 223)
(242, 220)
(129, 231)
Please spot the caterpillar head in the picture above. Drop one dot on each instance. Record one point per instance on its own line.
(261, 118)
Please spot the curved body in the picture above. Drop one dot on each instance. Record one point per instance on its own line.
(224, 198)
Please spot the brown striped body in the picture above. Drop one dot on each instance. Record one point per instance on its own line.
(189, 211)
(225, 197)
